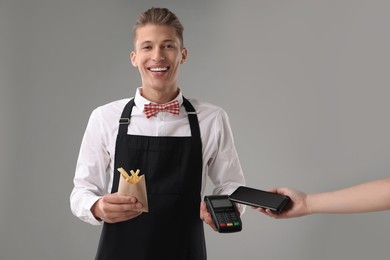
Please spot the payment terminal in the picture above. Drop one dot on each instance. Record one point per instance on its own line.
(224, 213)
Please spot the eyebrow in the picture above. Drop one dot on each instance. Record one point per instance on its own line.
(164, 41)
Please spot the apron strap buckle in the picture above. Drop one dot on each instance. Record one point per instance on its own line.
(124, 121)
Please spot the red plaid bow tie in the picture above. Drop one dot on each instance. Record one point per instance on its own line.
(171, 107)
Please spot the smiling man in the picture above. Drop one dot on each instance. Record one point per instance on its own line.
(175, 142)
(158, 55)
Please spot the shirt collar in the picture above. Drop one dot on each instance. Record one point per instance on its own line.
(140, 101)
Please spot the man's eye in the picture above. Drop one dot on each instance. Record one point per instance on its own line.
(169, 46)
(146, 47)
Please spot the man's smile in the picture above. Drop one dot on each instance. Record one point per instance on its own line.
(158, 69)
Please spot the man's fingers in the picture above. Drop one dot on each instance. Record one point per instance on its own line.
(116, 198)
(115, 217)
(123, 207)
(206, 216)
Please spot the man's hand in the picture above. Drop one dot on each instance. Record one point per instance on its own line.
(113, 208)
(206, 216)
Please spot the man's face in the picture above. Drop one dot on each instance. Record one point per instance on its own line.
(157, 56)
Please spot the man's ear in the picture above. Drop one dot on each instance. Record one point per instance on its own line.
(132, 58)
(184, 54)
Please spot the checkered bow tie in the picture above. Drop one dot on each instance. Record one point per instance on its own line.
(171, 107)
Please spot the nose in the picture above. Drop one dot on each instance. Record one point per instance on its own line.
(158, 55)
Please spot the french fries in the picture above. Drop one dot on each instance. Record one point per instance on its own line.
(133, 185)
(134, 178)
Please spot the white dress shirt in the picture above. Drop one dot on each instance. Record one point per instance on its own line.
(95, 165)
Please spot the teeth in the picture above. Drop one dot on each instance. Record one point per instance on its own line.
(158, 69)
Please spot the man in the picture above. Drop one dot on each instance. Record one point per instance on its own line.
(175, 152)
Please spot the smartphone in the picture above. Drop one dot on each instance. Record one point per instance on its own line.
(224, 213)
(259, 198)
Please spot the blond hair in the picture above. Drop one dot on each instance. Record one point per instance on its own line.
(159, 16)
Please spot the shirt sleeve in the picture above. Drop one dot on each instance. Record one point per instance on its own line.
(90, 180)
(224, 168)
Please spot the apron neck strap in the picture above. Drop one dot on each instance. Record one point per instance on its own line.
(124, 121)
(192, 117)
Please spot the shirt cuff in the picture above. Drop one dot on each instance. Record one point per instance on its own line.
(85, 213)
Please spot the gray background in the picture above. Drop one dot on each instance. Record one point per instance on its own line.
(306, 85)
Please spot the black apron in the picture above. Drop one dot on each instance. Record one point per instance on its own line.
(172, 167)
